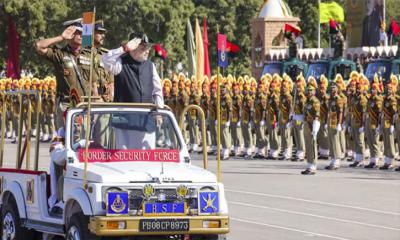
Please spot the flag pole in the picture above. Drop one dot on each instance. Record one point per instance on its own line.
(218, 122)
(88, 120)
(319, 24)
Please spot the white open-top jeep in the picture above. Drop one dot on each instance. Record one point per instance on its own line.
(135, 182)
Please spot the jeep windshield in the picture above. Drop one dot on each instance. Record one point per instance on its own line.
(125, 130)
(317, 69)
(272, 68)
(382, 68)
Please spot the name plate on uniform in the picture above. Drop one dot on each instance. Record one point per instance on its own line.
(165, 208)
(113, 155)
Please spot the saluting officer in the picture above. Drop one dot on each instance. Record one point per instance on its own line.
(311, 127)
(65, 61)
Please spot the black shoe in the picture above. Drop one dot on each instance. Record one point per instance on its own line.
(397, 169)
(241, 155)
(322, 157)
(294, 159)
(331, 167)
(349, 159)
(308, 172)
(232, 154)
(354, 164)
(282, 158)
(56, 211)
(370, 165)
(386, 167)
(258, 156)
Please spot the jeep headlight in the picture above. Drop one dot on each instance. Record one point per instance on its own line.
(148, 191)
(182, 191)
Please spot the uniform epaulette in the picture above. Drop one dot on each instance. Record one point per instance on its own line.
(104, 50)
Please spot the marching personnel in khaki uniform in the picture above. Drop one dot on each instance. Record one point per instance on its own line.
(259, 119)
(173, 100)
(246, 123)
(236, 130)
(9, 122)
(374, 111)
(285, 126)
(298, 119)
(360, 102)
(193, 117)
(349, 113)
(212, 117)
(273, 117)
(167, 85)
(335, 121)
(397, 121)
(387, 123)
(343, 138)
(184, 98)
(323, 140)
(205, 105)
(65, 61)
(311, 127)
(226, 115)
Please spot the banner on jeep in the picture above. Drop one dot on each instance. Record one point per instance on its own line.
(105, 155)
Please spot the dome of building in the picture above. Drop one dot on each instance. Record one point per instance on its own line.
(274, 8)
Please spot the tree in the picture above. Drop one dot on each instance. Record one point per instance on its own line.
(33, 18)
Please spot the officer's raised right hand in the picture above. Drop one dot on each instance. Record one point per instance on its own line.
(68, 33)
(132, 44)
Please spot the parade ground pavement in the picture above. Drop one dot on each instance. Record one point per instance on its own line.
(272, 200)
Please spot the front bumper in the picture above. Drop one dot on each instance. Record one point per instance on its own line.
(98, 225)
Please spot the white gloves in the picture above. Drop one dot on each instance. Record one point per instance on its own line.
(349, 129)
(378, 130)
(289, 124)
(391, 129)
(227, 124)
(315, 128)
(361, 130)
(238, 124)
(326, 126)
(251, 124)
(262, 123)
(339, 127)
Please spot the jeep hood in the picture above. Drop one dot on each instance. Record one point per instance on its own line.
(122, 172)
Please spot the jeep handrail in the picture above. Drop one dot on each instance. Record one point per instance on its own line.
(203, 129)
(83, 105)
(19, 94)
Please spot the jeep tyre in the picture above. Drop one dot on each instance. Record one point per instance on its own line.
(78, 228)
(11, 223)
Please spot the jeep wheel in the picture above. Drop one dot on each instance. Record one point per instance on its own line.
(78, 228)
(11, 223)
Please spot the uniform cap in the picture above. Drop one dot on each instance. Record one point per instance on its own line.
(143, 36)
(76, 22)
(99, 26)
